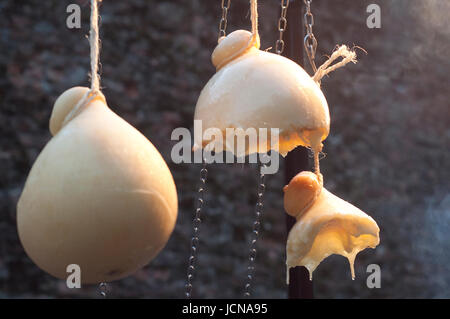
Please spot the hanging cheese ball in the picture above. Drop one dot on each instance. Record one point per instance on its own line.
(258, 89)
(99, 195)
(328, 225)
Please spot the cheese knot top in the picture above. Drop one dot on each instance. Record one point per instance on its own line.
(233, 46)
(64, 107)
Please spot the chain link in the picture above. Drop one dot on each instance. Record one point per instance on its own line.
(282, 25)
(196, 228)
(223, 20)
(255, 232)
(310, 41)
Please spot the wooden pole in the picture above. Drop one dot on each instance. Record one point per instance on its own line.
(300, 287)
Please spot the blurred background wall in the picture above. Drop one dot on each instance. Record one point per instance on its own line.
(388, 150)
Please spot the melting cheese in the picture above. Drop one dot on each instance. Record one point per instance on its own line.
(329, 226)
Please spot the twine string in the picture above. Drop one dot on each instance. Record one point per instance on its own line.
(94, 44)
(254, 16)
(254, 19)
(317, 166)
(327, 67)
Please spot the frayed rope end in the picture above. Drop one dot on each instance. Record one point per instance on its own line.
(348, 55)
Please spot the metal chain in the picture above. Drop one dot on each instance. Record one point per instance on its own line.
(282, 25)
(103, 289)
(310, 41)
(255, 232)
(196, 228)
(223, 20)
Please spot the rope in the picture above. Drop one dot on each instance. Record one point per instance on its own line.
(254, 18)
(316, 163)
(317, 166)
(327, 67)
(94, 43)
(341, 51)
